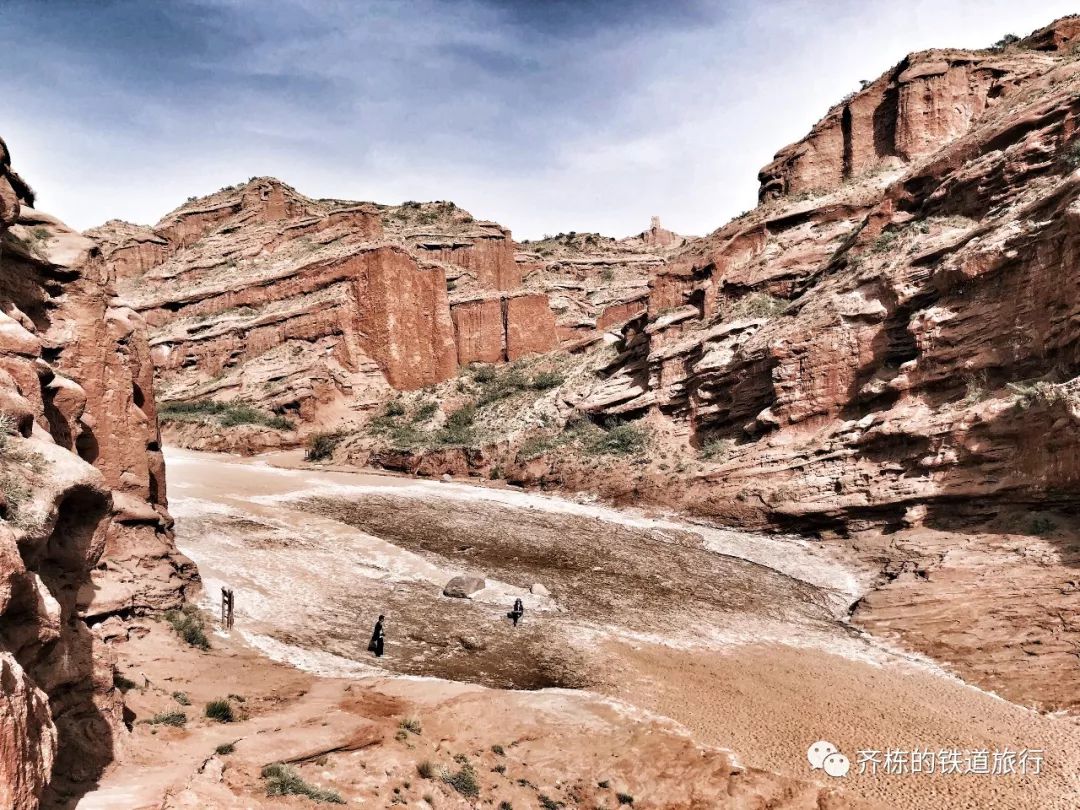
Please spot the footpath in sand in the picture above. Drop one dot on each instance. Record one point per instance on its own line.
(738, 638)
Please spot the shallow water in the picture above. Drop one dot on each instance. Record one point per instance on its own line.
(738, 636)
(314, 556)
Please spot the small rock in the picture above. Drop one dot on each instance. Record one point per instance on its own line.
(464, 587)
(471, 643)
(138, 631)
(536, 589)
(447, 477)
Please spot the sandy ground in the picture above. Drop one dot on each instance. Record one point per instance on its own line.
(387, 742)
(739, 638)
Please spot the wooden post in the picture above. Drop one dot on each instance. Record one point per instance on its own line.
(228, 602)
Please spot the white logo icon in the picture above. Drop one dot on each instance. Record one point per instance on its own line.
(836, 765)
(817, 752)
(824, 755)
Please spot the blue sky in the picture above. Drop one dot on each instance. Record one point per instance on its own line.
(545, 116)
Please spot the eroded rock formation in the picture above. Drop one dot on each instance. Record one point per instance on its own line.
(595, 283)
(318, 309)
(890, 341)
(85, 532)
(307, 306)
(884, 353)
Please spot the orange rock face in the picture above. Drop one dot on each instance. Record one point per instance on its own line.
(594, 283)
(405, 317)
(889, 341)
(480, 331)
(85, 532)
(530, 326)
(316, 309)
(503, 328)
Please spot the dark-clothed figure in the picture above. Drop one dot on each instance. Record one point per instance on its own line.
(518, 611)
(376, 643)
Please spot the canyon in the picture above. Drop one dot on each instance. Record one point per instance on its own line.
(835, 438)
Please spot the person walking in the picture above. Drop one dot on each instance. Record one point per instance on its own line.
(518, 611)
(377, 637)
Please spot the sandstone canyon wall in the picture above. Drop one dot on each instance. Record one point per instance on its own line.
(317, 310)
(883, 354)
(891, 332)
(85, 533)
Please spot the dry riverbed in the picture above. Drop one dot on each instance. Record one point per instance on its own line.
(739, 638)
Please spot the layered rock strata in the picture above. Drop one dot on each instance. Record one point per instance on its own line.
(902, 337)
(84, 531)
(318, 309)
(889, 342)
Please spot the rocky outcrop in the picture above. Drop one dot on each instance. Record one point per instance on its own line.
(505, 327)
(85, 531)
(889, 342)
(871, 325)
(595, 283)
(316, 310)
(926, 102)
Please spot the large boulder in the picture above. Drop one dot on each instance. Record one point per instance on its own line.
(463, 587)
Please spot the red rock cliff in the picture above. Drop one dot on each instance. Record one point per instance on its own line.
(889, 346)
(85, 531)
(314, 309)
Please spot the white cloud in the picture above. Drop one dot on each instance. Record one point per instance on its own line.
(595, 127)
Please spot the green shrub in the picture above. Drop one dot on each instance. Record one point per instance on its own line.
(548, 803)
(545, 380)
(412, 725)
(188, 623)
(226, 414)
(19, 496)
(1041, 524)
(425, 411)
(756, 305)
(885, 242)
(321, 446)
(484, 374)
(181, 698)
(717, 449)
(1037, 393)
(176, 719)
(975, 388)
(464, 781)
(1005, 42)
(498, 749)
(425, 769)
(540, 443)
(502, 385)
(624, 798)
(394, 408)
(619, 440)
(220, 710)
(225, 749)
(458, 429)
(281, 780)
(1070, 155)
(463, 417)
